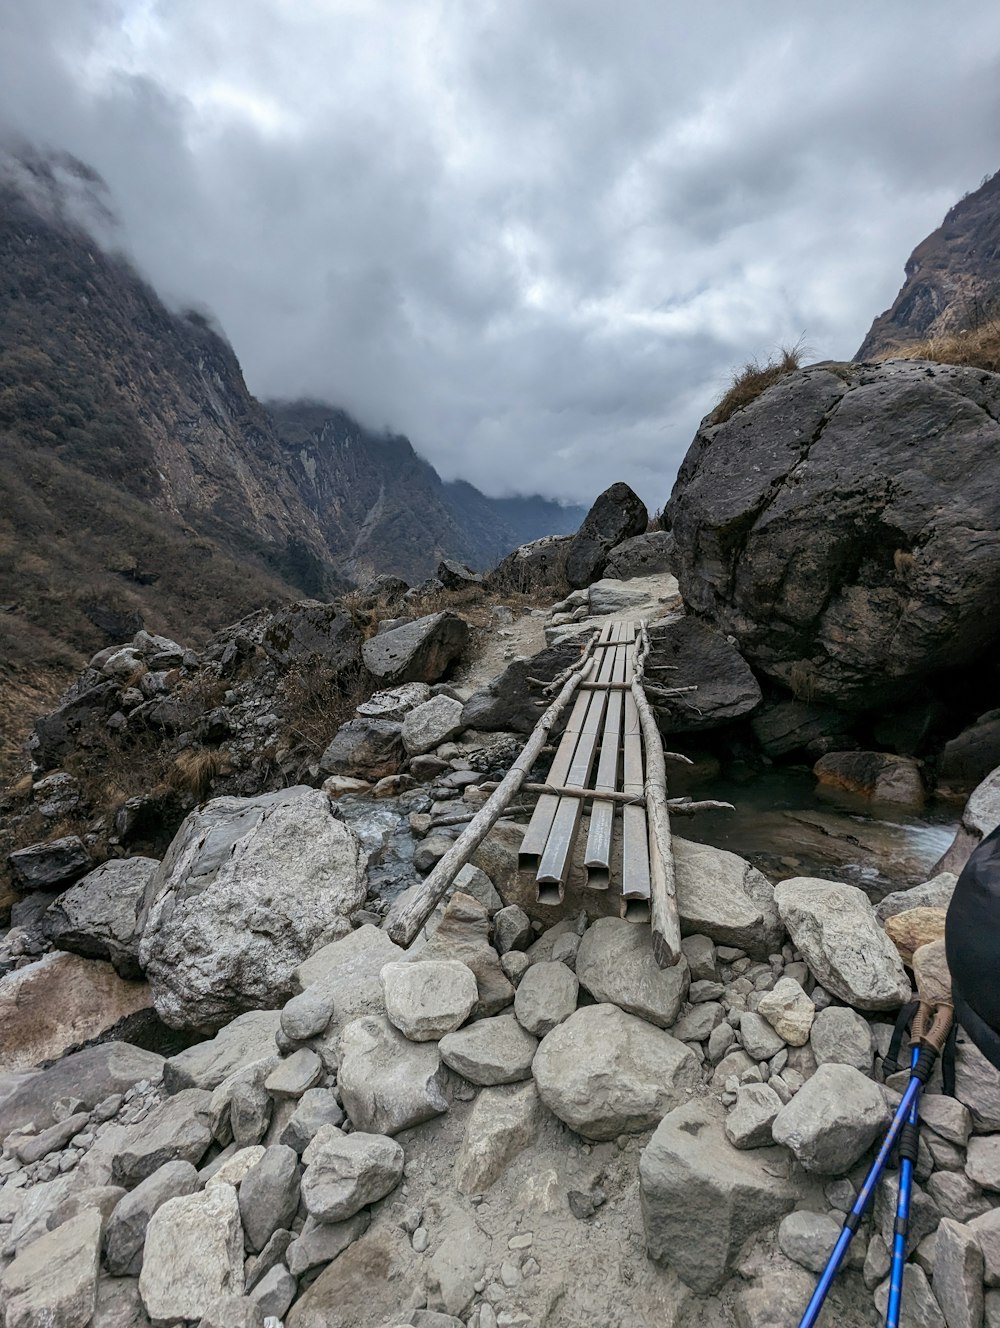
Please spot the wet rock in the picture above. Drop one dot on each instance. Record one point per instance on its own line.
(386, 1082)
(605, 1073)
(247, 888)
(546, 995)
(346, 1172)
(615, 964)
(429, 725)
(419, 651)
(834, 927)
(702, 1199)
(178, 1128)
(427, 1000)
(126, 1228)
(749, 1123)
(782, 727)
(52, 1283)
(321, 1242)
(832, 1119)
(616, 515)
(503, 1122)
(59, 1002)
(882, 776)
(789, 1011)
(365, 749)
(721, 896)
(490, 1051)
(98, 917)
(641, 555)
(193, 1253)
(958, 1274)
(269, 1195)
(50, 865)
(841, 1037)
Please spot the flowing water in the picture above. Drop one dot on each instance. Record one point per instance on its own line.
(788, 825)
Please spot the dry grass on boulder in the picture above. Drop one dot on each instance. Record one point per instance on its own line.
(978, 347)
(754, 378)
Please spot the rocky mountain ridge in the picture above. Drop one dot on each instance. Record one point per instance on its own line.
(952, 278)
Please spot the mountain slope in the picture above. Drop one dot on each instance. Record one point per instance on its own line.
(952, 278)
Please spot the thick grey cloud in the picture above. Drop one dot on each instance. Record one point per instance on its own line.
(534, 235)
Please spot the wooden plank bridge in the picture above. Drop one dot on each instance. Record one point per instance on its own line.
(609, 759)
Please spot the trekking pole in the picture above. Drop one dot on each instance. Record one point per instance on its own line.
(924, 1056)
(908, 1145)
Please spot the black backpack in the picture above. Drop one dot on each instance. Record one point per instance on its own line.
(972, 944)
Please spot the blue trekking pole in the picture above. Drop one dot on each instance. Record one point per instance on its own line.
(908, 1145)
(927, 1043)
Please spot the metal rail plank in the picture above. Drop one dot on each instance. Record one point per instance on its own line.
(533, 844)
(635, 835)
(557, 855)
(597, 859)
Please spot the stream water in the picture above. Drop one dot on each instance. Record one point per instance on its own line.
(788, 825)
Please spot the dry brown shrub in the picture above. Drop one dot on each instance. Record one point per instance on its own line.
(313, 702)
(196, 770)
(753, 379)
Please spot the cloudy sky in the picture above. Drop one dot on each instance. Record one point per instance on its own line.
(534, 235)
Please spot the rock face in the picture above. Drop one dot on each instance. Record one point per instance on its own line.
(60, 1002)
(700, 656)
(607, 1073)
(721, 896)
(834, 927)
(840, 553)
(702, 1199)
(419, 651)
(642, 555)
(245, 891)
(617, 514)
(98, 917)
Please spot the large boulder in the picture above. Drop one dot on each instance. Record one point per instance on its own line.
(365, 748)
(307, 634)
(843, 527)
(419, 651)
(193, 1254)
(84, 707)
(605, 1073)
(50, 865)
(702, 1199)
(720, 895)
(835, 929)
(540, 565)
(59, 1002)
(970, 757)
(879, 775)
(642, 555)
(98, 917)
(247, 888)
(617, 514)
(508, 702)
(699, 656)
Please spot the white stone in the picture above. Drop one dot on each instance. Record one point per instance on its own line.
(789, 1011)
(430, 724)
(193, 1253)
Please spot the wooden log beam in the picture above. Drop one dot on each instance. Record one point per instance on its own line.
(571, 791)
(664, 920)
(405, 922)
(685, 807)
